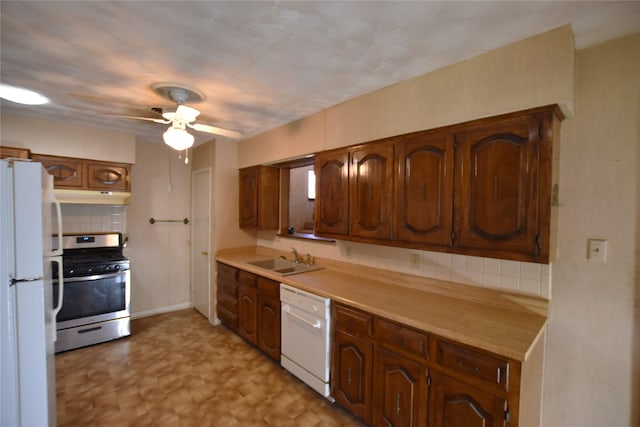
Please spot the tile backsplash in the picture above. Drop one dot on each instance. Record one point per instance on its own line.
(79, 218)
(523, 277)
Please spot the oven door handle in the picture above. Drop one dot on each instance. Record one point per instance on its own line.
(314, 325)
(94, 277)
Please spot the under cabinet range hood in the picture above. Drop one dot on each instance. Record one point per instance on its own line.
(92, 197)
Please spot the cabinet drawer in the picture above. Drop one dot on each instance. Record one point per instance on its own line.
(269, 288)
(353, 322)
(473, 364)
(247, 278)
(227, 273)
(402, 340)
(228, 301)
(228, 318)
(228, 288)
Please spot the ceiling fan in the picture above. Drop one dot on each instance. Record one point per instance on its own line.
(182, 117)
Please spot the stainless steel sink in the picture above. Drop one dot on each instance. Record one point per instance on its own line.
(283, 267)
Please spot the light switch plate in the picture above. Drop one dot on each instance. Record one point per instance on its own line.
(597, 250)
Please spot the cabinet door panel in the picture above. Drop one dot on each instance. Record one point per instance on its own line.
(101, 176)
(424, 189)
(497, 201)
(268, 197)
(247, 313)
(248, 193)
(400, 391)
(332, 193)
(371, 191)
(67, 172)
(456, 404)
(351, 375)
(269, 325)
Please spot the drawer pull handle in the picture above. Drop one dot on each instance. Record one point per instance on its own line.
(398, 403)
(349, 376)
(421, 346)
(84, 331)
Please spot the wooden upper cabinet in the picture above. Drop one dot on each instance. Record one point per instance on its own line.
(81, 174)
(107, 176)
(424, 189)
(371, 177)
(14, 152)
(259, 197)
(332, 193)
(502, 199)
(477, 188)
(67, 172)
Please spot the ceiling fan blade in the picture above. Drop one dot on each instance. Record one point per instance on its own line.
(150, 119)
(215, 130)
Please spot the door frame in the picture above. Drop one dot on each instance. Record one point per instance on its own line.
(194, 250)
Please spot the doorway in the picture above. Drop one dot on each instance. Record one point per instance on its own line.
(200, 241)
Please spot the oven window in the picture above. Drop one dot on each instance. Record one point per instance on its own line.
(91, 297)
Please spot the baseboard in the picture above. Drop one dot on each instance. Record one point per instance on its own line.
(160, 310)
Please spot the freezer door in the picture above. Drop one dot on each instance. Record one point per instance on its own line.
(29, 220)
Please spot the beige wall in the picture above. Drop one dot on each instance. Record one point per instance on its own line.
(589, 374)
(59, 139)
(590, 378)
(534, 72)
(160, 254)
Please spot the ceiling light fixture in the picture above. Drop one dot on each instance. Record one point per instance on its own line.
(177, 137)
(21, 95)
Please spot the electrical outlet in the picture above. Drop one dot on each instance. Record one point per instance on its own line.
(414, 260)
(597, 250)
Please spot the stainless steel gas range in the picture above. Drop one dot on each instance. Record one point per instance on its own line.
(96, 291)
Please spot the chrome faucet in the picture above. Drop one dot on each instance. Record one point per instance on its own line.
(297, 256)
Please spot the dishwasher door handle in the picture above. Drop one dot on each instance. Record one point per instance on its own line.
(314, 325)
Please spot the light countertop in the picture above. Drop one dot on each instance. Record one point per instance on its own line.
(494, 320)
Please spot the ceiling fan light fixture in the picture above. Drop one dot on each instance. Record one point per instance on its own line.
(22, 95)
(178, 139)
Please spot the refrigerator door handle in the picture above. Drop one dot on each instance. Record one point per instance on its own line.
(57, 308)
(57, 252)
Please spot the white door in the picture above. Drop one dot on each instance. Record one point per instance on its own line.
(200, 253)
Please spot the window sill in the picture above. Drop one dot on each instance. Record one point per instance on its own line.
(306, 236)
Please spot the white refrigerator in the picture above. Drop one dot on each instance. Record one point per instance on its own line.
(27, 322)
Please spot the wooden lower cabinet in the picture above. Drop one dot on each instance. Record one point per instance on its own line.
(352, 374)
(269, 317)
(399, 392)
(456, 404)
(248, 313)
(250, 306)
(227, 295)
(389, 374)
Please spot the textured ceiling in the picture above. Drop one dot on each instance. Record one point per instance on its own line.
(260, 64)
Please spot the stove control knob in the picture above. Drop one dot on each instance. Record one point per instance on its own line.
(107, 268)
(116, 267)
(90, 270)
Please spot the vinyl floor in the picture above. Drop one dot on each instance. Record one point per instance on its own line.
(176, 369)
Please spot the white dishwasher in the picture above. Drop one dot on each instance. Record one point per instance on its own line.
(305, 337)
